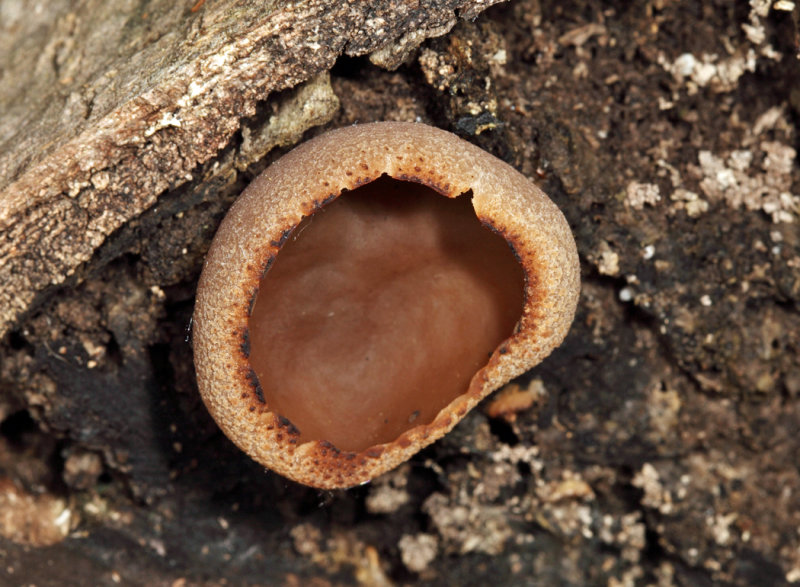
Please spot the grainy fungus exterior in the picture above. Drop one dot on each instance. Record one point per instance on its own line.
(348, 314)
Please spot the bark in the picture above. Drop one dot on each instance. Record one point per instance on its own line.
(106, 107)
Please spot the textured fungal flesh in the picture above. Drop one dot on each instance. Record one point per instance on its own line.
(378, 311)
(333, 340)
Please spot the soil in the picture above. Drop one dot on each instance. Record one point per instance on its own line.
(659, 445)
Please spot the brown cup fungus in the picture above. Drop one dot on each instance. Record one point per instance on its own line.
(370, 288)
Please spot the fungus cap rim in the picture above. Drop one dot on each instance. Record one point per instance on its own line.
(243, 249)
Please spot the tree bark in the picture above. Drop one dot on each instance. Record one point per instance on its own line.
(106, 107)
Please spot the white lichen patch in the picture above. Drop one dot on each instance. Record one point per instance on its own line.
(721, 74)
(656, 496)
(733, 177)
(417, 551)
(340, 550)
(709, 70)
(469, 528)
(637, 195)
(690, 201)
(389, 492)
(605, 258)
(720, 526)
(306, 539)
(756, 176)
(608, 264)
(663, 408)
(628, 532)
(754, 28)
(438, 72)
(35, 520)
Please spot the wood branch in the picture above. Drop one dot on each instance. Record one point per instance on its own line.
(106, 107)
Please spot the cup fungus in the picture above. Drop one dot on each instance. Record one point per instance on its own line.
(370, 288)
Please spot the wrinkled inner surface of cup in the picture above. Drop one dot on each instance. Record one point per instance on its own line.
(378, 311)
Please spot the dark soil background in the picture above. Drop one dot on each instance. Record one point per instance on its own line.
(662, 445)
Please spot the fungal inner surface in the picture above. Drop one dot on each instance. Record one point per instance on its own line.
(378, 311)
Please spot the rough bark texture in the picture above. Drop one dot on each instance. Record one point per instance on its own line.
(106, 107)
(657, 446)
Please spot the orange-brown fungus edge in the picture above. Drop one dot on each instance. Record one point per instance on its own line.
(300, 183)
